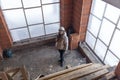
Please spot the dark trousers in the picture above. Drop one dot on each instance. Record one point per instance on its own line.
(61, 56)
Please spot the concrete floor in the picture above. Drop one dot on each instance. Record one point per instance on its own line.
(41, 60)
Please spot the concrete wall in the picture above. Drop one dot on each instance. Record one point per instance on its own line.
(115, 3)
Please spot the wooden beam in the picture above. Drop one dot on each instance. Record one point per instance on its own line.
(95, 75)
(80, 72)
(64, 71)
(24, 73)
(110, 75)
(12, 70)
(9, 77)
(3, 76)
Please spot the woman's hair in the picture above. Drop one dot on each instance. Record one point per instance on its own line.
(59, 36)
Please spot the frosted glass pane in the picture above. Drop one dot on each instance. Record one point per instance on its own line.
(98, 7)
(36, 30)
(119, 24)
(15, 18)
(19, 34)
(111, 59)
(52, 28)
(90, 40)
(112, 15)
(115, 44)
(31, 3)
(94, 25)
(34, 15)
(106, 31)
(100, 49)
(49, 1)
(7, 4)
(51, 13)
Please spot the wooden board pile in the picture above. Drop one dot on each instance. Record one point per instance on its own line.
(82, 72)
(91, 71)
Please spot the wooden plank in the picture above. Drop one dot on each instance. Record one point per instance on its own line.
(95, 75)
(110, 75)
(24, 73)
(3, 76)
(11, 73)
(9, 77)
(12, 70)
(80, 72)
(85, 51)
(15, 73)
(64, 71)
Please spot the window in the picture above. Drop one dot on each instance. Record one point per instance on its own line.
(49, 14)
(36, 30)
(98, 7)
(111, 59)
(20, 34)
(100, 49)
(15, 18)
(31, 3)
(114, 46)
(103, 32)
(34, 16)
(94, 25)
(52, 28)
(118, 24)
(114, 15)
(49, 1)
(90, 40)
(8, 4)
(27, 19)
(106, 31)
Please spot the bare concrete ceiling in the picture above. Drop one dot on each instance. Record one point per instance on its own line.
(115, 3)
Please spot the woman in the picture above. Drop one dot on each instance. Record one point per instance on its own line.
(62, 43)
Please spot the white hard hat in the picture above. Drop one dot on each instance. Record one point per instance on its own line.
(62, 29)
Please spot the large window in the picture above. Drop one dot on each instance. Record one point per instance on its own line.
(103, 32)
(31, 18)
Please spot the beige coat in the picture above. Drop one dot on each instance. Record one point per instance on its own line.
(62, 43)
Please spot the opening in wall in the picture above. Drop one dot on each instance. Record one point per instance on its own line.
(27, 19)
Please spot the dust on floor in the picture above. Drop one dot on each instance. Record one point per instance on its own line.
(41, 60)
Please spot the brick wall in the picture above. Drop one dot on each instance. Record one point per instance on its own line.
(77, 8)
(86, 6)
(5, 38)
(1, 57)
(66, 12)
(81, 11)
